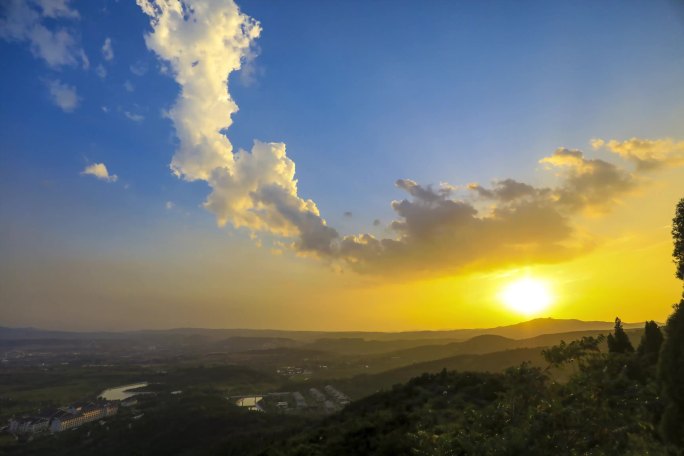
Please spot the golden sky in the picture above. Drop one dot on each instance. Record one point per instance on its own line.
(372, 178)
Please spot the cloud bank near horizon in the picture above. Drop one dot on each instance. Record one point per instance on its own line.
(436, 231)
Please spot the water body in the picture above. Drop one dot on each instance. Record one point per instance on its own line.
(119, 393)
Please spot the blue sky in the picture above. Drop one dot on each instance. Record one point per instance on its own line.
(363, 93)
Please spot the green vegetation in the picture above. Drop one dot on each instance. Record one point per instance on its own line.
(197, 422)
(618, 342)
(608, 406)
(671, 366)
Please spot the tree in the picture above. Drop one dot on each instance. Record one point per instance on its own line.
(651, 341)
(678, 237)
(671, 374)
(575, 351)
(618, 342)
(671, 365)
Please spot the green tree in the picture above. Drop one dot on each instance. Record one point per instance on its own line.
(671, 374)
(678, 237)
(671, 365)
(618, 342)
(651, 341)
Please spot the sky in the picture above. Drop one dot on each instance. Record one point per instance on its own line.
(337, 165)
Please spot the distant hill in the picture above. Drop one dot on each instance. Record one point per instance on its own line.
(365, 384)
(480, 345)
(524, 330)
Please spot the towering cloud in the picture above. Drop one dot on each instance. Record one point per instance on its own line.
(203, 42)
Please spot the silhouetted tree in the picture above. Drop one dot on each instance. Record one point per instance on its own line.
(678, 237)
(651, 341)
(618, 342)
(671, 365)
(575, 351)
(671, 373)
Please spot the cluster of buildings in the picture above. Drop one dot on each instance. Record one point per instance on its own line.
(290, 371)
(339, 397)
(315, 401)
(62, 419)
(335, 401)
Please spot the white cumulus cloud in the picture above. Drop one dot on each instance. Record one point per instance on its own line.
(100, 171)
(203, 42)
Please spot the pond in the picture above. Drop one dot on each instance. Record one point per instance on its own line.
(119, 393)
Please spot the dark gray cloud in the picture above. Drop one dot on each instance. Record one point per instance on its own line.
(437, 234)
(508, 223)
(590, 184)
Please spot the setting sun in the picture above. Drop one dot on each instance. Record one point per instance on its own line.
(527, 296)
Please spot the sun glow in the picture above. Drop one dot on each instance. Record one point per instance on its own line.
(527, 296)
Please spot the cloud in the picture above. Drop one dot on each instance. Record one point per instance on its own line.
(101, 71)
(63, 95)
(57, 8)
(128, 85)
(203, 42)
(438, 234)
(507, 190)
(23, 20)
(134, 117)
(139, 68)
(437, 230)
(99, 170)
(647, 154)
(509, 223)
(169, 205)
(589, 184)
(107, 49)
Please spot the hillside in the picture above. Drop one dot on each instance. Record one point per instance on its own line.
(522, 330)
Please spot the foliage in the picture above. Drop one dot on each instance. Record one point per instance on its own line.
(651, 342)
(575, 351)
(671, 374)
(678, 237)
(607, 407)
(671, 364)
(618, 342)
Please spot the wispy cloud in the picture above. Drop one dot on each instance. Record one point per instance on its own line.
(24, 20)
(99, 170)
(139, 68)
(63, 95)
(134, 117)
(101, 71)
(107, 49)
